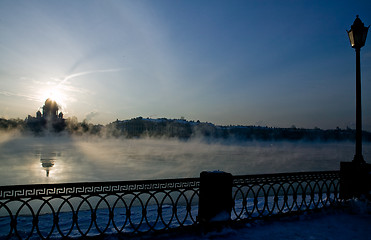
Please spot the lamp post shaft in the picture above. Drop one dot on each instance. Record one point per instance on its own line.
(358, 158)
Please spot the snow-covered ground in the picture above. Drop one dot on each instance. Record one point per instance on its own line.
(349, 224)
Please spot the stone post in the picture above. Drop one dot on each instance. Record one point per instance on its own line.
(355, 180)
(215, 200)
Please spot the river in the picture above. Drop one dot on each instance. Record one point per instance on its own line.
(61, 159)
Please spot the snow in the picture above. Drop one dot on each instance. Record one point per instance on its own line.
(323, 226)
(330, 225)
(222, 216)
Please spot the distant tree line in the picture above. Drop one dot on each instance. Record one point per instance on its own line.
(40, 127)
(11, 124)
(183, 129)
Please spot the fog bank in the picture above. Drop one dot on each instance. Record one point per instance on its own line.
(56, 159)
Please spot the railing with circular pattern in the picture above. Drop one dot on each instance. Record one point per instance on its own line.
(89, 209)
(257, 196)
(72, 210)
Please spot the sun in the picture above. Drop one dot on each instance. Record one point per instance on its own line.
(56, 95)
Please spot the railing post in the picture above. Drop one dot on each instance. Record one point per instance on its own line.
(215, 199)
(355, 180)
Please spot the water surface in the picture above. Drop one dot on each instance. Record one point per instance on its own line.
(58, 159)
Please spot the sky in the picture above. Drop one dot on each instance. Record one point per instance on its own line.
(268, 63)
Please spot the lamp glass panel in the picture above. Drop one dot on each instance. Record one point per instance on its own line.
(351, 38)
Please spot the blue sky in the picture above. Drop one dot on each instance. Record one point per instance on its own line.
(274, 63)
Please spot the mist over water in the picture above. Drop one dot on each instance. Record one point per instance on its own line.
(58, 159)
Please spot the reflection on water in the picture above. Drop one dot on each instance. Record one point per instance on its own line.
(29, 160)
(48, 159)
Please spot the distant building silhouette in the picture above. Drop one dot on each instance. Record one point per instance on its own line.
(50, 119)
(50, 109)
(38, 114)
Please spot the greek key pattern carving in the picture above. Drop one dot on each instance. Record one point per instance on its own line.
(46, 190)
(285, 177)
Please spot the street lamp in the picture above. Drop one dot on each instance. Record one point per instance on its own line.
(357, 37)
(355, 177)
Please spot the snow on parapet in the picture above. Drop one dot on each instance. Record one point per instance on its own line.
(221, 217)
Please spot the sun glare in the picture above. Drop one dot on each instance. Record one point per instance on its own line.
(55, 95)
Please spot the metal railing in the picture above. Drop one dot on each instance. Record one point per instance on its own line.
(89, 209)
(257, 196)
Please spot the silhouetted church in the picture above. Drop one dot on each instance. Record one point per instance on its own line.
(50, 119)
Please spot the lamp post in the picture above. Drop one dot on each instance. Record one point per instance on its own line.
(357, 36)
(355, 176)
